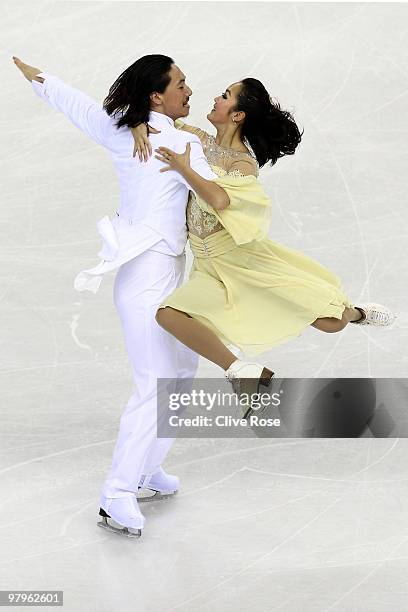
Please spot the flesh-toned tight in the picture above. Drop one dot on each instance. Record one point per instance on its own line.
(206, 343)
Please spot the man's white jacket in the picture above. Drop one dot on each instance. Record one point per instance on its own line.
(152, 210)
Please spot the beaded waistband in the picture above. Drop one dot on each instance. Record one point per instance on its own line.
(215, 244)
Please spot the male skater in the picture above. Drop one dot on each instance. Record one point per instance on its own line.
(147, 241)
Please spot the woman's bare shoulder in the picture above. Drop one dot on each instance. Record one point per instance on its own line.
(244, 165)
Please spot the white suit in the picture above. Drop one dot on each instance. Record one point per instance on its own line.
(145, 239)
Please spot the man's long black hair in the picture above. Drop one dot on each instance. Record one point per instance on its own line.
(130, 93)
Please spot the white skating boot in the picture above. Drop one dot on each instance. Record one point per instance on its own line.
(246, 378)
(164, 485)
(375, 314)
(125, 512)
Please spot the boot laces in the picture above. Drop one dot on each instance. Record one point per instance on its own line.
(380, 317)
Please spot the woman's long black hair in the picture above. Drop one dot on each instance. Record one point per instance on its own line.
(130, 93)
(270, 132)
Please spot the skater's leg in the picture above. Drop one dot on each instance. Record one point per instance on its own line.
(187, 364)
(331, 324)
(140, 286)
(195, 335)
(246, 377)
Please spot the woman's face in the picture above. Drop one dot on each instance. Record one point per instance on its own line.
(221, 113)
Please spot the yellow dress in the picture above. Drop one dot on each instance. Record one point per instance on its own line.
(251, 291)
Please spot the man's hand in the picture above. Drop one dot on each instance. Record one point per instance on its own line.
(29, 72)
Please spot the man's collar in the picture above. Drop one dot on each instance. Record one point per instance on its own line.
(159, 119)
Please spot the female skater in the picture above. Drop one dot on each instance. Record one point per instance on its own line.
(245, 289)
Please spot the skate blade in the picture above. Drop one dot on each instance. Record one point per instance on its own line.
(120, 530)
(266, 377)
(394, 323)
(157, 495)
(275, 382)
(250, 386)
(391, 325)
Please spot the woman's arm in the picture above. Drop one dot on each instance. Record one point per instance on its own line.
(142, 147)
(140, 134)
(209, 191)
(180, 125)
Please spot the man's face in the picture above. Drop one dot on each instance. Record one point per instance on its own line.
(174, 101)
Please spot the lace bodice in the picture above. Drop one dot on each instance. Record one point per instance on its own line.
(199, 222)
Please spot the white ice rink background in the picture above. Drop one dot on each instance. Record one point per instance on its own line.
(261, 525)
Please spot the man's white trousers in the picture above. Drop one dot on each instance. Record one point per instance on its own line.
(141, 284)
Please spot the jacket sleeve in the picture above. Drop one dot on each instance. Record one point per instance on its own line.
(248, 216)
(81, 110)
(198, 160)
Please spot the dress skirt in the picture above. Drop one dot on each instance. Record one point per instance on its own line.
(258, 294)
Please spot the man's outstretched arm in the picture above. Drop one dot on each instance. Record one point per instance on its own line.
(80, 109)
